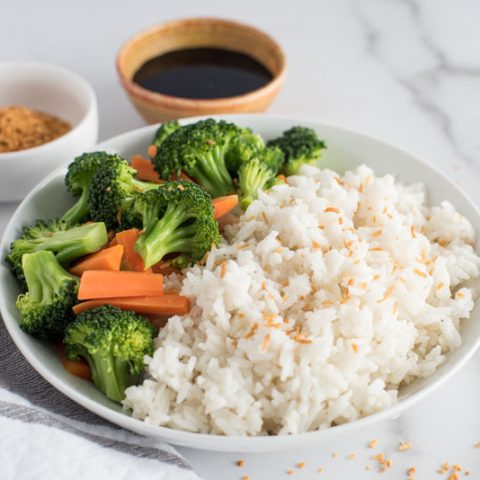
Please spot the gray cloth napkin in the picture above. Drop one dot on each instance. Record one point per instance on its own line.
(44, 434)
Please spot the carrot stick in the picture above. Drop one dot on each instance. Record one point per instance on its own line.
(145, 169)
(106, 259)
(79, 368)
(131, 259)
(223, 205)
(152, 151)
(105, 284)
(159, 304)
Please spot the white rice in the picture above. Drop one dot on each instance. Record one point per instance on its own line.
(328, 294)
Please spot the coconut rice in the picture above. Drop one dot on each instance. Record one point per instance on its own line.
(327, 295)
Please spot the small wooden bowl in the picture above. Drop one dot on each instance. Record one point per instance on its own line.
(197, 33)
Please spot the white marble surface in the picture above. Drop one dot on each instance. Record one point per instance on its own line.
(403, 70)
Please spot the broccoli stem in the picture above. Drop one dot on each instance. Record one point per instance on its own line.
(164, 236)
(79, 210)
(109, 374)
(252, 177)
(43, 275)
(75, 242)
(212, 174)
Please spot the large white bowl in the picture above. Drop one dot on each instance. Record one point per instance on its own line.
(53, 90)
(346, 149)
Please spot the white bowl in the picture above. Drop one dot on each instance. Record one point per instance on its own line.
(56, 91)
(346, 149)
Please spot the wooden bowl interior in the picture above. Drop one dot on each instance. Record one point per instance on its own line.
(198, 33)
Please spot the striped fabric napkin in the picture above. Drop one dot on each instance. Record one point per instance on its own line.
(45, 435)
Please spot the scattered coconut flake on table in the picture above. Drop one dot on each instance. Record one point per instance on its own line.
(300, 321)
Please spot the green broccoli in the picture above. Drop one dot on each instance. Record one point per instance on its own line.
(245, 146)
(164, 131)
(114, 343)
(259, 173)
(199, 149)
(46, 307)
(78, 178)
(66, 242)
(112, 191)
(300, 145)
(177, 218)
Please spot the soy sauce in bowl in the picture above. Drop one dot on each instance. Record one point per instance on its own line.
(202, 73)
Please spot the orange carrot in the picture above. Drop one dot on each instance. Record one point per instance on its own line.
(152, 151)
(223, 205)
(158, 304)
(79, 368)
(145, 169)
(131, 259)
(105, 284)
(106, 259)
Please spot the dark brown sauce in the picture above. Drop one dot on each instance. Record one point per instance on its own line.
(202, 73)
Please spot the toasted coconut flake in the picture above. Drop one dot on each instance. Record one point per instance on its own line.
(332, 210)
(387, 293)
(252, 331)
(223, 270)
(266, 343)
(419, 273)
(403, 446)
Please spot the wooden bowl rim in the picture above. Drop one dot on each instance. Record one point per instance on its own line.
(171, 102)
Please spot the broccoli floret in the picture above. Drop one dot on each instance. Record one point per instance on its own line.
(66, 242)
(258, 173)
(164, 131)
(199, 149)
(245, 146)
(177, 218)
(253, 175)
(114, 343)
(78, 178)
(300, 145)
(112, 191)
(46, 308)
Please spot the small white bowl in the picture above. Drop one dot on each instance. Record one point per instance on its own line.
(58, 92)
(346, 150)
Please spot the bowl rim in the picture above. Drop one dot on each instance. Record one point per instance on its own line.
(157, 98)
(217, 442)
(71, 77)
